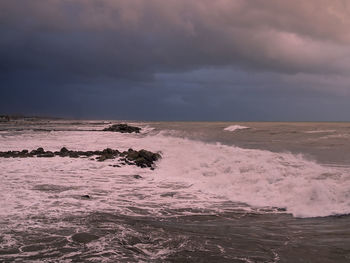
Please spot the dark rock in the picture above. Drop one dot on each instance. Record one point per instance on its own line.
(62, 154)
(132, 154)
(64, 150)
(87, 154)
(105, 157)
(47, 154)
(102, 158)
(143, 163)
(136, 176)
(150, 156)
(108, 151)
(40, 150)
(123, 128)
(84, 237)
(85, 196)
(73, 154)
(142, 158)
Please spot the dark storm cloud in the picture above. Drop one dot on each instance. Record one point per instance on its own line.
(122, 37)
(62, 52)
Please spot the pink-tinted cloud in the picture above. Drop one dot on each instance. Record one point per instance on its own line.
(291, 36)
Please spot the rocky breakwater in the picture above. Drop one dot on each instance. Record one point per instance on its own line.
(123, 128)
(141, 158)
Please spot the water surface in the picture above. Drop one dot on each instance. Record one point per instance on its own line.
(223, 192)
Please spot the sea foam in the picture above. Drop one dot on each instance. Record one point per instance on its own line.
(232, 128)
(259, 178)
(190, 174)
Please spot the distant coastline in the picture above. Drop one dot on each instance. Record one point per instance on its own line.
(9, 117)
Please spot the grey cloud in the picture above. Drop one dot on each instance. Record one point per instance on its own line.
(120, 38)
(175, 59)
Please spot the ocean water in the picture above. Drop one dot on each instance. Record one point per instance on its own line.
(223, 192)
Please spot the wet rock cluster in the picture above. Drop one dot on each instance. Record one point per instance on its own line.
(123, 128)
(142, 158)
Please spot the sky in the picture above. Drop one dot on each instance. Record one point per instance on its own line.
(191, 60)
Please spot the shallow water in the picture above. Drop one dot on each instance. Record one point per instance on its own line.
(282, 195)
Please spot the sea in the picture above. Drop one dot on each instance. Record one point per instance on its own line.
(222, 192)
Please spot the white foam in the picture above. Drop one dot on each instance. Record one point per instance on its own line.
(146, 129)
(260, 178)
(235, 128)
(198, 175)
(320, 131)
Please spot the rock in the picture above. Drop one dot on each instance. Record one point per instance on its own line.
(101, 158)
(85, 196)
(123, 128)
(64, 150)
(142, 158)
(84, 237)
(47, 154)
(150, 156)
(108, 151)
(105, 157)
(40, 150)
(132, 155)
(73, 154)
(87, 154)
(136, 176)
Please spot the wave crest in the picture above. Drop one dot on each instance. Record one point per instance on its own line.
(235, 127)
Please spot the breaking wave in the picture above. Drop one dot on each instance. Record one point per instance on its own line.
(191, 173)
(257, 177)
(235, 127)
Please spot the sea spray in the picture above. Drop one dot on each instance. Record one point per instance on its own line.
(233, 128)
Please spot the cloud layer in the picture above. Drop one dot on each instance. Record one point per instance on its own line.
(77, 47)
